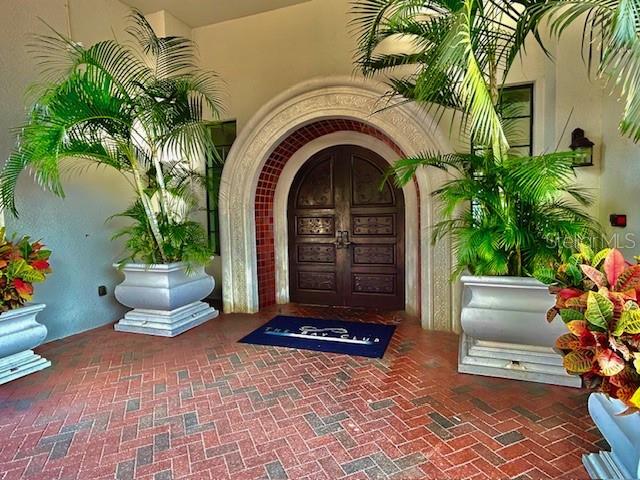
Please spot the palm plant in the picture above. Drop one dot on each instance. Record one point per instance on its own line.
(136, 107)
(507, 214)
(461, 51)
(516, 218)
(457, 51)
(610, 44)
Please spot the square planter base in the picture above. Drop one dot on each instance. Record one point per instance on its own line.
(604, 465)
(21, 364)
(166, 323)
(513, 361)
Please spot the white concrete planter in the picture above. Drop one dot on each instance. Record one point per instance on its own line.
(19, 334)
(166, 301)
(505, 331)
(623, 435)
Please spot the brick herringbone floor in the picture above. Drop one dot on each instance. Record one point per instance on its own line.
(202, 406)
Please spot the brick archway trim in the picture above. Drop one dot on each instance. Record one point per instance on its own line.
(268, 180)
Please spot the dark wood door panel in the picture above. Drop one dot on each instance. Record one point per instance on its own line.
(374, 254)
(376, 290)
(316, 253)
(365, 184)
(346, 234)
(373, 225)
(317, 281)
(315, 226)
(316, 187)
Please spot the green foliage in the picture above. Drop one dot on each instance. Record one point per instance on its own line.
(515, 217)
(459, 52)
(599, 311)
(185, 241)
(610, 44)
(506, 214)
(137, 107)
(455, 49)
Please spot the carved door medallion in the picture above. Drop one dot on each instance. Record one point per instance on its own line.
(346, 235)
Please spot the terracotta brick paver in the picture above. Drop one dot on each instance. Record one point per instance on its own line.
(203, 406)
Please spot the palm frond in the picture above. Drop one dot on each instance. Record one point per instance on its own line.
(137, 109)
(542, 176)
(170, 55)
(611, 44)
(403, 170)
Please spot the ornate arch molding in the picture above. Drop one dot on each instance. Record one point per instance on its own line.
(314, 100)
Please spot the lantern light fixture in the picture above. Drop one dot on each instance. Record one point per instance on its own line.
(581, 144)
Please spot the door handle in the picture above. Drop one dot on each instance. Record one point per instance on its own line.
(345, 239)
(342, 239)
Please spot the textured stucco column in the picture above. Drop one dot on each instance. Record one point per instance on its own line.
(347, 98)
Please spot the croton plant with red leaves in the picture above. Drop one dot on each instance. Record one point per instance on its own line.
(22, 263)
(597, 296)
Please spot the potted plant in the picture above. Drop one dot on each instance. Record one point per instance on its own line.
(509, 216)
(137, 107)
(509, 224)
(22, 263)
(597, 298)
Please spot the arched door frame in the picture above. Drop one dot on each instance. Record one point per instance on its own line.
(280, 227)
(337, 97)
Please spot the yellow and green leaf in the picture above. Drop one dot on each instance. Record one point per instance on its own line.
(632, 323)
(577, 327)
(629, 322)
(580, 361)
(599, 310)
(568, 341)
(599, 257)
(586, 252)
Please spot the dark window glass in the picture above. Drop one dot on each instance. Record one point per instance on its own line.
(223, 135)
(516, 106)
(516, 109)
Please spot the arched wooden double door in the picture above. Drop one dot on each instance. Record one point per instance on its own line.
(346, 235)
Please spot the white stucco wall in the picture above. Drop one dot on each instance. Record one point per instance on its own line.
(262, 55)
(165, 24)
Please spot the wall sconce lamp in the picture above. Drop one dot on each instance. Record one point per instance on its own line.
(581, 144)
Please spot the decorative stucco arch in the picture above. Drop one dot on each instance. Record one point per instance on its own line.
(328, 98)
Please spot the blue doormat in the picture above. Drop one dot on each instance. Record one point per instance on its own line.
(335, 336)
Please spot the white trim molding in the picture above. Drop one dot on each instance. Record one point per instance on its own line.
(320, 99)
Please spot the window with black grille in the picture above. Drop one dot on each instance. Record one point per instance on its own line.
(223, 135)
